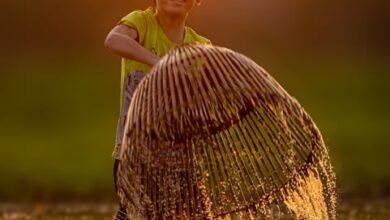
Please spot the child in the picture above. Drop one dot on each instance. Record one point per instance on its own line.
(141, 38)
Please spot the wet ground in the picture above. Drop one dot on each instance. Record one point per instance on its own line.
(359, 209)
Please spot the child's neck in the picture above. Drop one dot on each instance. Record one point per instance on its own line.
(173, 26)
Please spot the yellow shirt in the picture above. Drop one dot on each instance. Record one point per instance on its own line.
(151, 37)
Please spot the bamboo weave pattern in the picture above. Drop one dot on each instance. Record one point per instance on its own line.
(209, 132)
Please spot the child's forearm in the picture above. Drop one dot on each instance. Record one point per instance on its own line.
(127, 47)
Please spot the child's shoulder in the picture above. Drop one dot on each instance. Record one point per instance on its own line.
(139, 20)
(195, 37)
(138, 14)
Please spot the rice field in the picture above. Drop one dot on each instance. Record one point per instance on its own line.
(350, 209)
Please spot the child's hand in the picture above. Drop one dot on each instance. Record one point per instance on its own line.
(155, 60)
(122, 40)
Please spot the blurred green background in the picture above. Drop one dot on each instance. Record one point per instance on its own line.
(59, 86)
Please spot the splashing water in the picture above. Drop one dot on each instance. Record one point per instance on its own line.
(312, 196)
(308, 201)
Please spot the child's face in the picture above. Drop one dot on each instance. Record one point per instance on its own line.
(176, 7)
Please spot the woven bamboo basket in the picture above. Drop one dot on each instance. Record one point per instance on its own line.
(210, 133)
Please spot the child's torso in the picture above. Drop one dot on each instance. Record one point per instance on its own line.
(155, 40)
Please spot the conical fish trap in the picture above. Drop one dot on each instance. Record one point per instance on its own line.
(210, 133)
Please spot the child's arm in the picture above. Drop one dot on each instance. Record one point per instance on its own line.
(122, 41)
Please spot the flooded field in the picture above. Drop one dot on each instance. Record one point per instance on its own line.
(350, 209)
